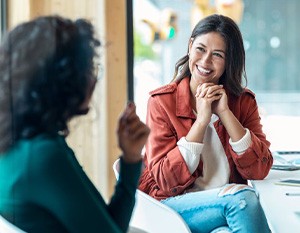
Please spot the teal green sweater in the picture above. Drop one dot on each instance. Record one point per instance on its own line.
(44, 189)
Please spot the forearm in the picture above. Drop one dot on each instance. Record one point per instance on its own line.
(197, 131)
(234, 128)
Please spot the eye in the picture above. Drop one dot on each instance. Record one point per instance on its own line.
(201, 49)
(219, 55)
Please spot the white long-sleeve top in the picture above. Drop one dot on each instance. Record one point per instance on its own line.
(215, 164)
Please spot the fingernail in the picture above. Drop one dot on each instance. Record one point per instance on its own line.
(130, 104)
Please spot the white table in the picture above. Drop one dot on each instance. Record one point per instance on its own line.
(282, 211)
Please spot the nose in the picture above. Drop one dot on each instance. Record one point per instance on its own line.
(206, 58)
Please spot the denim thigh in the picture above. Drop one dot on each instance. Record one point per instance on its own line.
(205, 211)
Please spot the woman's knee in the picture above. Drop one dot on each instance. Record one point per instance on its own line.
(242, 209)
(239, 194)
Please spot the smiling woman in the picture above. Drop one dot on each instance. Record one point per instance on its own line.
(206, 138)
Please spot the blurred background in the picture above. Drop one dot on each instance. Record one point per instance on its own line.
(161, 29)
(271, 40)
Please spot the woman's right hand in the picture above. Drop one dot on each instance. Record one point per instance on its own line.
(206, 94)
(132, 134)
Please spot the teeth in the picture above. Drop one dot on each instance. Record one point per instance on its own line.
(203, 70)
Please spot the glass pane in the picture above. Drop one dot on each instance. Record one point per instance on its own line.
(158, 46)
(271, 40)
(1, 19)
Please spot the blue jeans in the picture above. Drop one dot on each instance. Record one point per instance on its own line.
(237, 209)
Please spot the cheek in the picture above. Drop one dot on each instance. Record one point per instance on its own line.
(191, 64)
(221, 68)
(222, 71)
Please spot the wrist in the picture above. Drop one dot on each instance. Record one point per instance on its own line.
(224, 112)
(132, 158)
(201, 123)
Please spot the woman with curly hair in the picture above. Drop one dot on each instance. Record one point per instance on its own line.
(46, 79)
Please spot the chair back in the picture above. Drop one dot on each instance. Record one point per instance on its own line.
(151, 215)
(7, 227)
(116, 168)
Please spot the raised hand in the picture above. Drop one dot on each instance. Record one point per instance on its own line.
(206, 95)
(132, 134)
(221, 105)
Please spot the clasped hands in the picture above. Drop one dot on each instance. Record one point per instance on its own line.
(210, 98)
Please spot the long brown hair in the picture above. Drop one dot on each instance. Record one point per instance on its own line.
(235, 52)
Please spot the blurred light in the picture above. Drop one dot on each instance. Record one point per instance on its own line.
(246, 45)
(172, 33)
(231, 8)
(169, 24)
(275, 42)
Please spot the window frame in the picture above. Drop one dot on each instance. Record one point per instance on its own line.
(3, 17)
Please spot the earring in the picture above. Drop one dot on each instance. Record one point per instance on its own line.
(188, 54)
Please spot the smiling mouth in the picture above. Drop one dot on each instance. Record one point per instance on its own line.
(203, 70)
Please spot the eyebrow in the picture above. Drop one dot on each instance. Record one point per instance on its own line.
(216, 50)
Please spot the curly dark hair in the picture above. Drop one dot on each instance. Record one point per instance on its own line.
(235, 52)
(46, 71)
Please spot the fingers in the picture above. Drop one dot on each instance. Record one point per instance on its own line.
(139, 132)
(209, 90)
(130, 124)
(132, 134)
(128, 113)
(135, 128)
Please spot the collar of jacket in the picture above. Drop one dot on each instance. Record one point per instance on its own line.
(181, 90)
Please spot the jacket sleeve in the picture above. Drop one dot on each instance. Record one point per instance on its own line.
(255, 163)
(165, 163)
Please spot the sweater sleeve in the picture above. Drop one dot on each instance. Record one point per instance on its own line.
(243, 144)
(59, 184)
(256, 161)
(190, 152)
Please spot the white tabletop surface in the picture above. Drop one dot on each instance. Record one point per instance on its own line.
(282, 211)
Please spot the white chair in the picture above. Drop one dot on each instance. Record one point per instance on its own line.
(7, 227)
(151, 215)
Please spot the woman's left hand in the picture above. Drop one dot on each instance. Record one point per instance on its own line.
(221, 105)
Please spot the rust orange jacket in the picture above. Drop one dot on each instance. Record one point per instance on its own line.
(170, 117)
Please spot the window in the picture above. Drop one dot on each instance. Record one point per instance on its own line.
(2, 17)
(271, 40)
